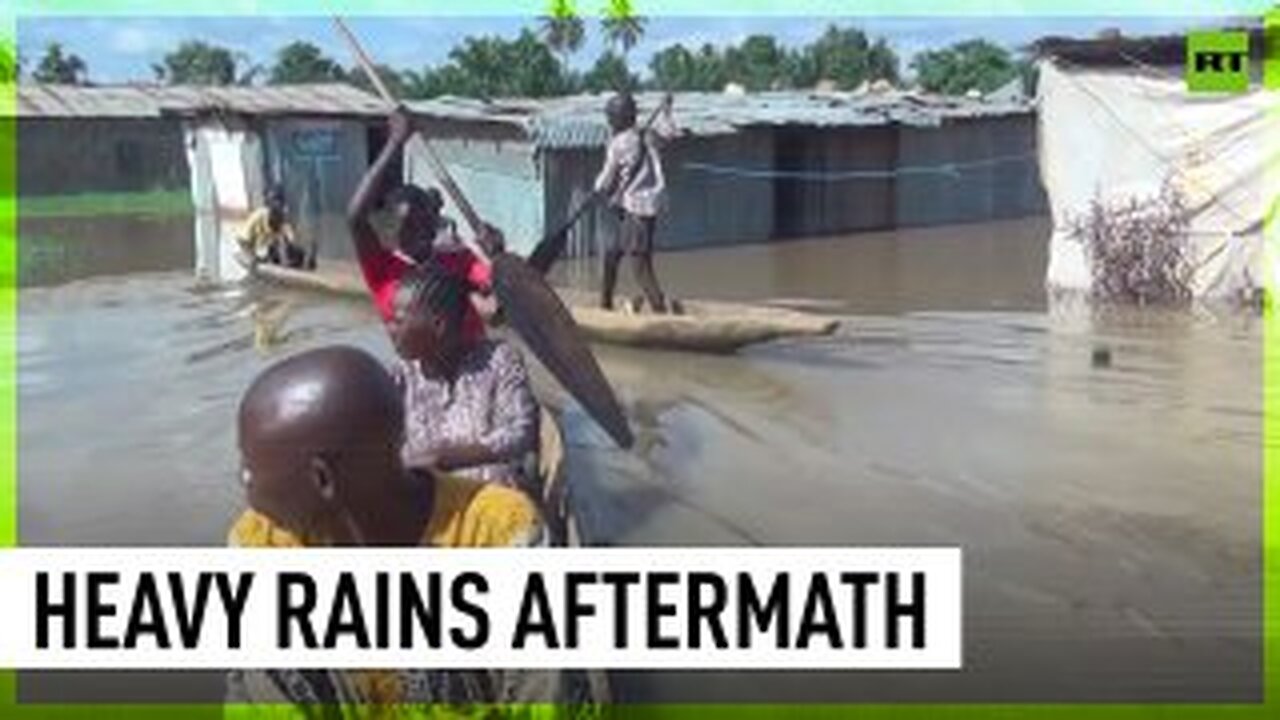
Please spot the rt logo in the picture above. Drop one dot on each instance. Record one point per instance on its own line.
(1219, 61)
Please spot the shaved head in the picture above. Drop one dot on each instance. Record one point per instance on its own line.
(320, 436)
(327, 400)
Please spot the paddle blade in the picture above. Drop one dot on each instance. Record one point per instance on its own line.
(541, 319)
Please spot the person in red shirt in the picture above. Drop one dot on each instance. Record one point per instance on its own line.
(418, 238)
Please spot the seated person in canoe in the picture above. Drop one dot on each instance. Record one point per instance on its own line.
(319, 438)
(469, 404)
(268, 236)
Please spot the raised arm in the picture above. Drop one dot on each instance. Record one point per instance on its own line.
(664, 127)
(400, 128)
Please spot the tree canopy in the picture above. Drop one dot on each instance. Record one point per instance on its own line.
(491, 66)
(609, 74)
(59, 67)
(970, 65)
(563, 30)
(301, 62)
(622, 27)
(196, 62)
(844, 57)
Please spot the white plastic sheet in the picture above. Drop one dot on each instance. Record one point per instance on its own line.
(226, 168)
(1117, 133)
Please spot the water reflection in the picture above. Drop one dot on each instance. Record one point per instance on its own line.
(57, 250)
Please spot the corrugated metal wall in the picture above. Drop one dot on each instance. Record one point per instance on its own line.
(65, 156)
(703, 209)
(996, 174)
(825, 204)
(708, 209)
(519, 189)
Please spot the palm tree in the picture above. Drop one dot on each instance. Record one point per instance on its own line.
(622, 26)
(562, 30)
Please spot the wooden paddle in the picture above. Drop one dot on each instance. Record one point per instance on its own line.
(546, 252)
(533, 309)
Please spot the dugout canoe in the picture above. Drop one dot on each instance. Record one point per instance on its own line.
(704, 326)
(562, 521)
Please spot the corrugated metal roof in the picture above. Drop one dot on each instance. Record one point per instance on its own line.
(141, 101)
(578, 121)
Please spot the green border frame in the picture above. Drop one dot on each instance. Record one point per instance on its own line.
(12, 10)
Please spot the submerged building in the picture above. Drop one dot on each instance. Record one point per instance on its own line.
(745, 168)
(749, 167)
(223, 145)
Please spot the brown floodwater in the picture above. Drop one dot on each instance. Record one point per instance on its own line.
(1109, 514)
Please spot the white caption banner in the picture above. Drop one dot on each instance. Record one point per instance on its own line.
(670, 608)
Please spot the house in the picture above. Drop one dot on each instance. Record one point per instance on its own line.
(226, 144)
(747, 168)
(74, 140)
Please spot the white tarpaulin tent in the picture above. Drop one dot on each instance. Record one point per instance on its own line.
(1114, 133)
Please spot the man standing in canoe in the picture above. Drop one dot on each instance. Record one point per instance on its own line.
(633, 181)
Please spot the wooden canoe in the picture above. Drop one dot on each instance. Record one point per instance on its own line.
(704, 326)
(562, 521)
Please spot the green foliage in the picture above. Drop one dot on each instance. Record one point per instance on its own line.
(562, 30)
(842, 56)
(59, 67)
(622, 27)
(970, 65)
(609, 74)
(302, 62)
(678, 68)
(491, 66)
(759, 63)
(196, 62)
(10, 62)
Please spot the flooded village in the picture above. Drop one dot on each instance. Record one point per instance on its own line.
(1099, 462)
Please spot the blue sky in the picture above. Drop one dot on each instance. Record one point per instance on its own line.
(119, 49)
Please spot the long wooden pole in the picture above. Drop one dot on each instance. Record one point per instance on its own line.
(534, 310)
(420, 146)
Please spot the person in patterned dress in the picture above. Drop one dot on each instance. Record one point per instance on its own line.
(469, 405)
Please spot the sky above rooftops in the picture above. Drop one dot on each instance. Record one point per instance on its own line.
(123, 49)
